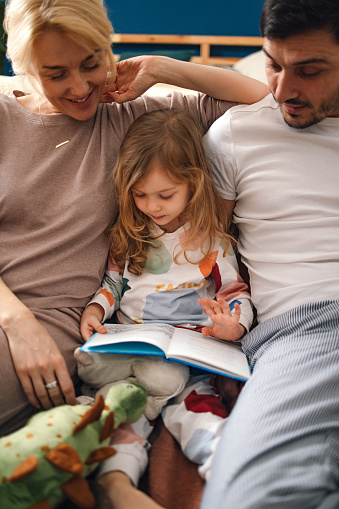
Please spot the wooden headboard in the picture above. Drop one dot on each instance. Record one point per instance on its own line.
(203, 41)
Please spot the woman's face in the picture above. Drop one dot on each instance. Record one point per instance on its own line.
(70, 76)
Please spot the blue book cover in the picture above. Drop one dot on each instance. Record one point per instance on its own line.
(172, 343)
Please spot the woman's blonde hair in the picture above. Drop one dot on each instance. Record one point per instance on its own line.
(84, 21)
(172, 140)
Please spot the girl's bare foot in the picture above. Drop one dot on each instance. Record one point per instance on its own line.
(122, 493)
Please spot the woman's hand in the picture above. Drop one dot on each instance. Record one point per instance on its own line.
(138, 74)
(134, 76)
(37, 361)
(225, 325)
(91, 321)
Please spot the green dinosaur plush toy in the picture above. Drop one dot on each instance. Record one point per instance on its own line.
(49, 459)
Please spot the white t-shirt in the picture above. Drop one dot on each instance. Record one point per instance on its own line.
(286, 186)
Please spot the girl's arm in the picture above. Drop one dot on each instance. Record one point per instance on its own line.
(36, 357)
(105, 301)
(225, 324)
(232, 293)
(136, 75)
(91, 321)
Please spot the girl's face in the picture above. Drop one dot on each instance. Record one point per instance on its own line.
(70, 76)
(161, 199)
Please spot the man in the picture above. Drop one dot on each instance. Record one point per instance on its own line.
(277, 163)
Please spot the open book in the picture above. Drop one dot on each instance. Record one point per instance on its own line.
(172, 343)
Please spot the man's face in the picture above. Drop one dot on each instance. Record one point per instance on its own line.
(303, 75)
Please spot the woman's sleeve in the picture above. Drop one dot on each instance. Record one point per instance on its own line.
(204, 109)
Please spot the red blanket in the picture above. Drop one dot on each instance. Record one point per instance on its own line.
(171, 480)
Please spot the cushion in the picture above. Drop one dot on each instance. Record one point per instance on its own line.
(252, 65)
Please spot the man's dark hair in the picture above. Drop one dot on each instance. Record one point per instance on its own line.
(284, 18)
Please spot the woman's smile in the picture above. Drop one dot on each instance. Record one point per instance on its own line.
(70, 76)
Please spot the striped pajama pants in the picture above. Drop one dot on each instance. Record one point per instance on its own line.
(280, 446)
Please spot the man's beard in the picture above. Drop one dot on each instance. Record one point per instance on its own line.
(323, 111)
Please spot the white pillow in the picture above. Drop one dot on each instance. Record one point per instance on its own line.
(161, 90)
(253, 65)
(10, 83)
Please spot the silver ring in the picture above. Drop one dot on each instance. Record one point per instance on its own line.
(51, 385)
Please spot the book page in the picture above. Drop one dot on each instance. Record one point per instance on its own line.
(219, 354)
(159, 335)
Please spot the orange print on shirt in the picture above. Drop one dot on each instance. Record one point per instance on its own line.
(108, 295)
(208, 263)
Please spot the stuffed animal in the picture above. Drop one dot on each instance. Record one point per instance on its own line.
(162, 380)
(48, 460)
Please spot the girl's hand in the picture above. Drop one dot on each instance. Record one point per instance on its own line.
(134, 77)
(225, 325)
(91, 321)
(38, 361)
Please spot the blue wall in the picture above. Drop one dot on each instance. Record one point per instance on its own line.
(186, 17)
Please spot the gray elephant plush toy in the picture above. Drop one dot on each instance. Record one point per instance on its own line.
(162, 380)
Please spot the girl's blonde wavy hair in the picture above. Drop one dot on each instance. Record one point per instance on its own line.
(170, 139)
(84, 21)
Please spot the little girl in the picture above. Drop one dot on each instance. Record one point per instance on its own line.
(171, 261)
